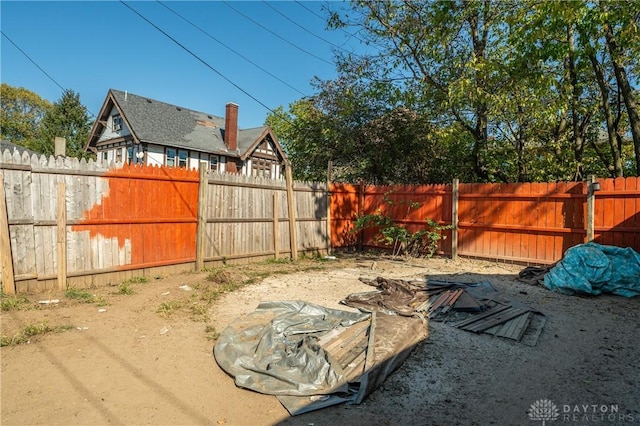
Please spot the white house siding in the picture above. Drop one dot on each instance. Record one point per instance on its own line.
(155, 155)
(109, 133)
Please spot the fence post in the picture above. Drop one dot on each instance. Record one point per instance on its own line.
(276, 226)
(455, 194)
(329, 168)
(62, 236)
(361, 189)
(292, 212)
(201, 232)
(8, 279)
(60, 148)
(591, 198)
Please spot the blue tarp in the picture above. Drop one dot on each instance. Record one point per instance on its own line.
(593, 268)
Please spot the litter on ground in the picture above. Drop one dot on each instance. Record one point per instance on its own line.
(311, 357)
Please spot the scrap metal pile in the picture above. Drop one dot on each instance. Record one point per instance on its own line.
(475, 307)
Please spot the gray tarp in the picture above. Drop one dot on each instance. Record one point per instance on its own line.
(274, 350)
(593, 268)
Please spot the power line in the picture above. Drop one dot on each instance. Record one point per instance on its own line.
(197, 57)
(42, 69)
(280, 37)
(302, 27)
(301, 4)
(232, 50)
(33, 62)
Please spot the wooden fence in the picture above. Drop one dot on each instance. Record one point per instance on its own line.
(65, 222)
(526, 222)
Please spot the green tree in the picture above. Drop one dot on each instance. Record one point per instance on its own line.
(69, 119)
(443, 55)
(566, 43)
(21, 112)
(366, 133)
(620, 23)
(304, 137)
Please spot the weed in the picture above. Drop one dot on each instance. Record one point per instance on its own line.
(211, 332)
(79, 295)
(220, 276)
(138, 279)
(199, 312)
(278, 261)
(389, 233)
(167, 309)
(14, 303)
(32, 330)
(125, 288)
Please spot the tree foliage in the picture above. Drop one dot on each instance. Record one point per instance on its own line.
(30, 121)
(69, 119)
(479, 90)
(21, 112)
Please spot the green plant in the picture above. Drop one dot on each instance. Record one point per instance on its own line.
(14, 303)
(125, 288)
(166, 309)
(211, 332)
(138, 279)
(278, 261)
(79, 295)
(32, 330)
(395, 235)
(199, 312)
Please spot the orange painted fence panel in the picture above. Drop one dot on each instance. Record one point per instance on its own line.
(521, 222)
(152, 211)
(617, 212)
(408, 205)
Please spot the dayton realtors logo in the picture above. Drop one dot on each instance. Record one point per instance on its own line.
(543, 410)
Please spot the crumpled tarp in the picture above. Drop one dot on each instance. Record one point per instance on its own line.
(274, 350)
(271, 350)
(593, 269)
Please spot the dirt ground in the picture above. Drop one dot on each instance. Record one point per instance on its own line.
(146, 357)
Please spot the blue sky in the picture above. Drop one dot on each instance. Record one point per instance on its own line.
(92, 46)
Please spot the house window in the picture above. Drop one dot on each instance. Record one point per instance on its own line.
(105, 155)
(119, 155)
(261, 167)
(213, 163)
(177, 157)
(171, 157)
(182, 158)
(117, 122)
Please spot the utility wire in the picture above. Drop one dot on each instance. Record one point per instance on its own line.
(231, 49)
(33, 62)
(301, 4)
(301, 26)
(197, 57)
(280, 37)
(41, 69)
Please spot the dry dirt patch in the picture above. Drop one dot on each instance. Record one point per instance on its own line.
(146, 357)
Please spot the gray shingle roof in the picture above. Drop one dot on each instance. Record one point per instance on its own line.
(161, 123)
(6, 145)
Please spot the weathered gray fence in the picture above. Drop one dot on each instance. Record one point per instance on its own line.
(79, 223)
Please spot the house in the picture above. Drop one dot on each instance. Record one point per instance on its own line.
(12, 148)
(137, 129)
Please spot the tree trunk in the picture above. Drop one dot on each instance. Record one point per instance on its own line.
(606, 110)
(578, 137)
(627, 94)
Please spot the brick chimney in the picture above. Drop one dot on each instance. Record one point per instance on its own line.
(231, 127)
